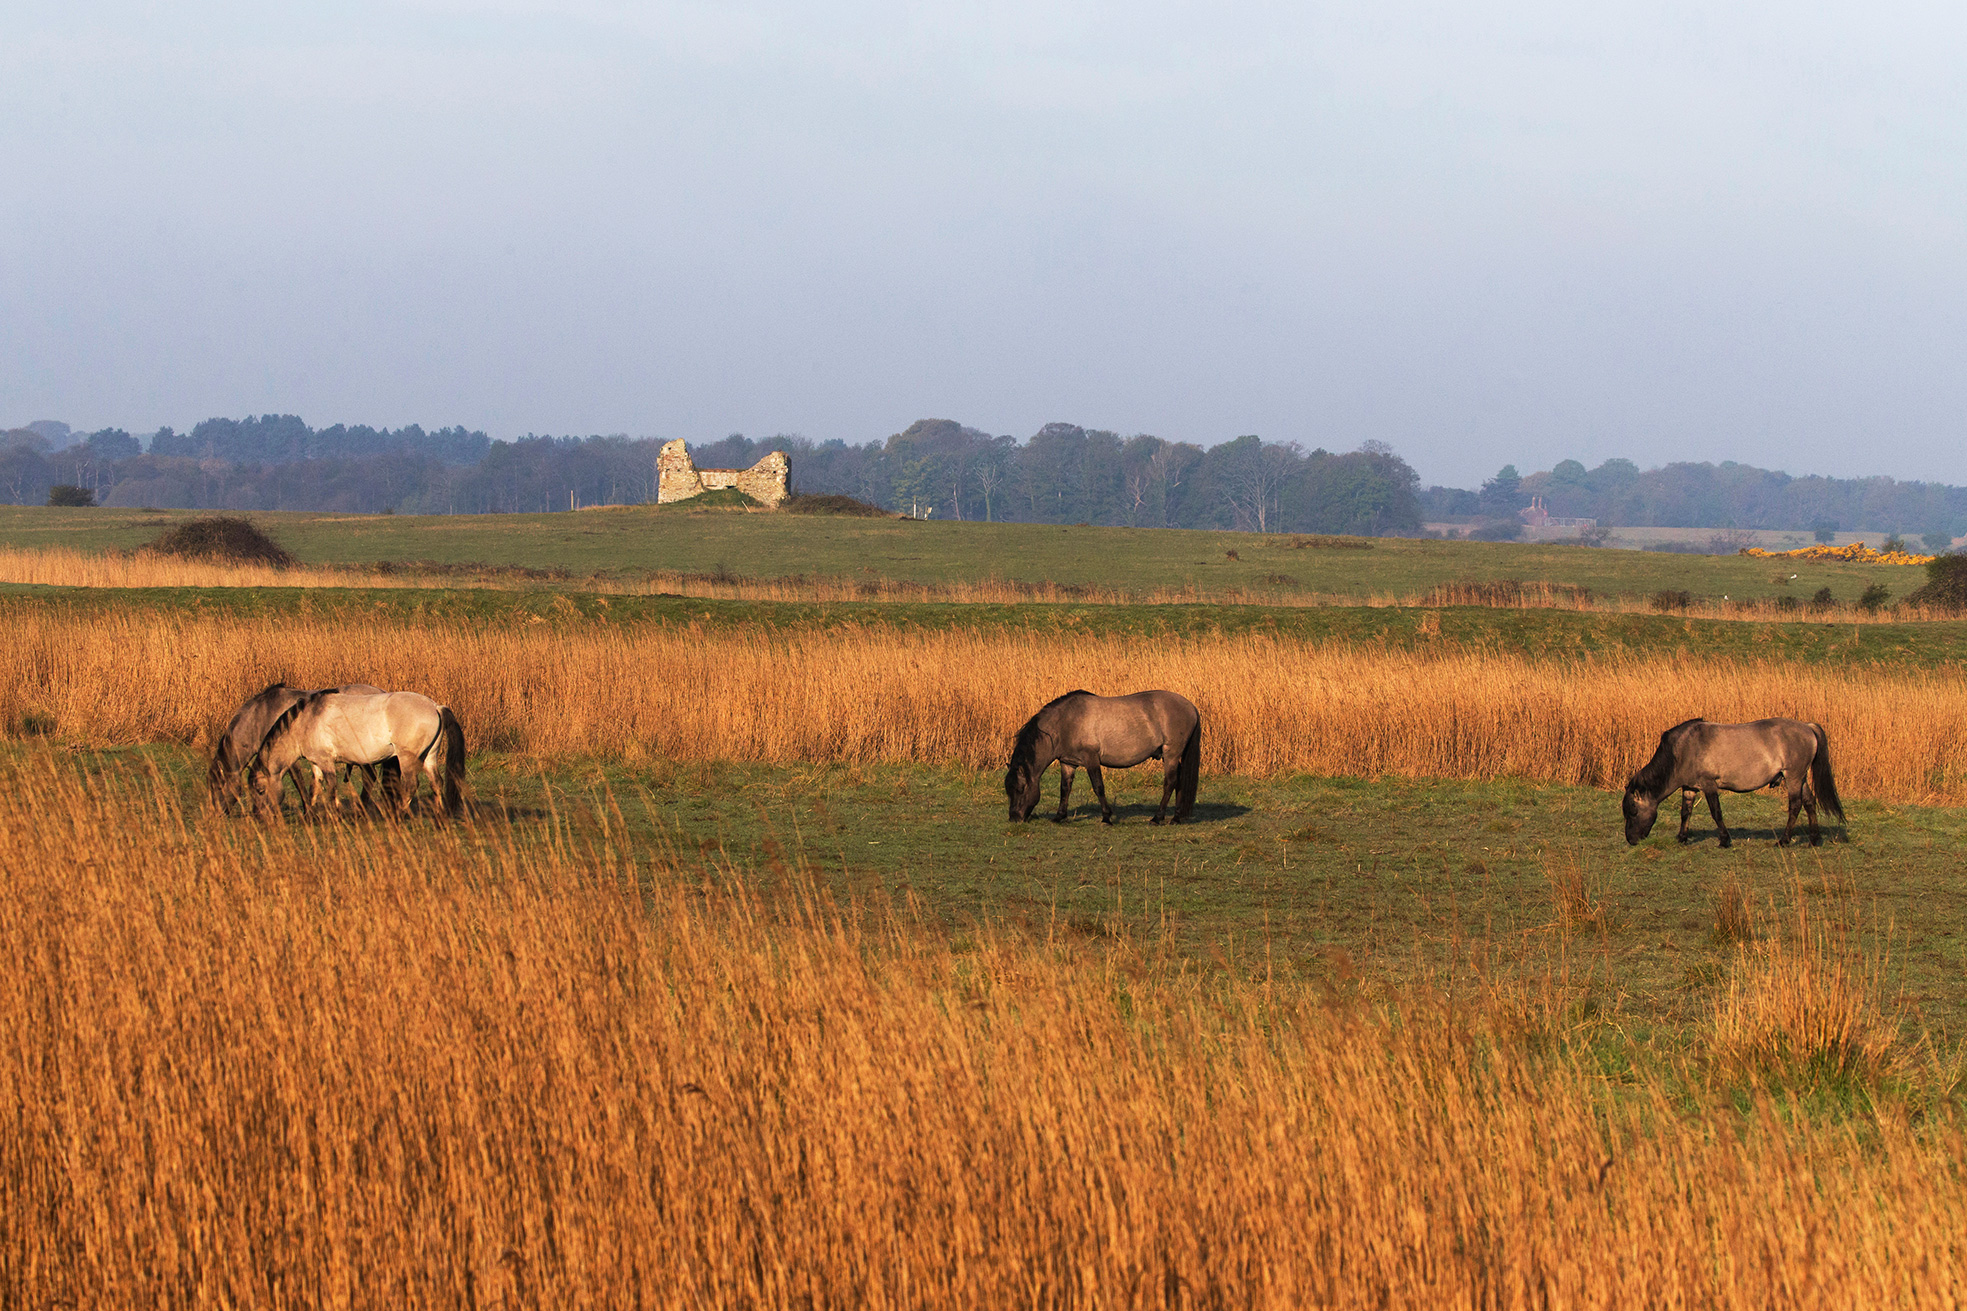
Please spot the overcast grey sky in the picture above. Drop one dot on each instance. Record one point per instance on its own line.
(1508, 231)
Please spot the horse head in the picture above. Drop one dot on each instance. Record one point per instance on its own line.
(1640, 812)
(1021, 788)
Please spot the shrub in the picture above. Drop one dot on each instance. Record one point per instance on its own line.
(228, 537)
(1946, 584)
(721, 498)
(68, 494)
(1824, 531)
(1788, 603)
(1497, 530)
(1822, 599)
(1874, 597)
(832, 503)
(1668, 599)
(1894, 542)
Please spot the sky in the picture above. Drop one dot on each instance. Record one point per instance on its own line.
(1517, 231)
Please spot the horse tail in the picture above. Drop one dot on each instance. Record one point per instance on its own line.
(1188, 775)
(449, 745)
(1820, 777)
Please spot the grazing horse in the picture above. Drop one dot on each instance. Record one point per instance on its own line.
(332, 728)
(240, 741)
(1709, 758)
(1080, 730)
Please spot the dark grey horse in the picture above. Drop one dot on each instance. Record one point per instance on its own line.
(1083, 731)
(240, 741)
(1699, 756)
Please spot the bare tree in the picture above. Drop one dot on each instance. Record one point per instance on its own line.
(1256, 478)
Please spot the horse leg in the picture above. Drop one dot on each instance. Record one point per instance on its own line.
(330, 779)
(1099, 790)
(1169, 770)
(1789, 828)
(1065, 790)
(1714, 808)
(1810, 804)
(1686, 812)
(407, 765)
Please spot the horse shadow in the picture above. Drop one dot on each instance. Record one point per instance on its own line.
(1772, 834)
(1205, 812)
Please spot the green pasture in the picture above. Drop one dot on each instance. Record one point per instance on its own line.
(1537, 634)
(1366, 885)
(636, 541)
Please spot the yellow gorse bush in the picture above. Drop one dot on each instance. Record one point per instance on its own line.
(1855, 553)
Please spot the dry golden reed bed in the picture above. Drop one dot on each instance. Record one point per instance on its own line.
(59, 567)
(380, 1066)
(1269, 706)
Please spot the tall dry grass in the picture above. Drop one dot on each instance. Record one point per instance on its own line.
(61, 567)
(1806, 1001)
(1269, 706)
(376, 1066)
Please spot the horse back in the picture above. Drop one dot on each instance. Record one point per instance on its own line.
(1745, 756)
(1136, 725)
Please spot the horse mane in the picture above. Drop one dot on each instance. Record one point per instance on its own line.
(1651, 780)
(286, 719)
(225, 757)
(1025, 750)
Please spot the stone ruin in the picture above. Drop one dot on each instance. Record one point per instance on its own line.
(678, 478)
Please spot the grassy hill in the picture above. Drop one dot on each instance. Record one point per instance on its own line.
(647, 539)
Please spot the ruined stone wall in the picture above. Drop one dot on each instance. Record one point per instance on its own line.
(678, 478)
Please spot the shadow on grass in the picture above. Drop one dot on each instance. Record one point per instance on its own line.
(1205, 812)
(1701, 837)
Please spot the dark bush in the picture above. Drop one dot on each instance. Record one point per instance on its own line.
(833, 503)
(1497, 530)
(1667, 599)
(1946, 584)
(1874, 596)
(227, 537)
(68, 494)
(1822, 599)
(720, 498)
(1788, 603)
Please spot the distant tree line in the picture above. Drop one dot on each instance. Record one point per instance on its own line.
(1727, 495)
(1062, 474)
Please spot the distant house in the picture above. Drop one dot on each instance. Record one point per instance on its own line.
(1535, 516)
(678, 478)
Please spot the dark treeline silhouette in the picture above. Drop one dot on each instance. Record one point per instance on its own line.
(1062, 474)
(1727, 495)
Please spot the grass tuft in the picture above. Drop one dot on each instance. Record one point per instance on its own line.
(1808, 1005)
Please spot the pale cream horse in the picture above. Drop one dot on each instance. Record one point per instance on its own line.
(330, 729)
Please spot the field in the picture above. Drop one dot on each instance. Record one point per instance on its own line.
(736, 987)
(630, 546)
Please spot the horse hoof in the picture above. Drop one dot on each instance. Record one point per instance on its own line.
(1727, 842)
(1157, 820)
(1107, 820)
